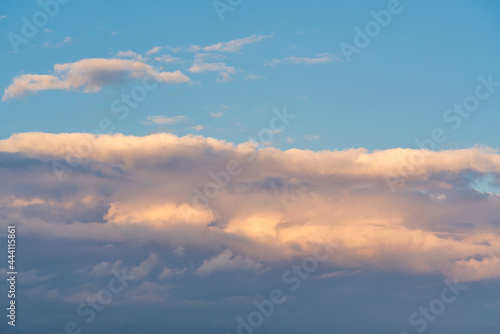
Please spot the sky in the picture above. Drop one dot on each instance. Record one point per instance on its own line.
(236, 166)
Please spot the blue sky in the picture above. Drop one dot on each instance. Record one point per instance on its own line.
(395, 91)
(173, 192)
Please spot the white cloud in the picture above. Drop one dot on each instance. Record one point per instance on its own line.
(154, 50)
(90, 76)
(167, 59)
(197, 127)
(224, 70)
(254, 77)
(158, 119)
(323, 58)
(3, 17)
(234, 45)
(216, 114)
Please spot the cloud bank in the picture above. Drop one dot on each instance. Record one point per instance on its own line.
(277, 206)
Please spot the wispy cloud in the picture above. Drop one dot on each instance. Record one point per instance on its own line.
(323, 58)
(231, 46)
(154, 50)
(254, 77)
(167, 59)
(159, 119)
(311, 137)
(224, 70)
(227, 261)
(216, 114)
(65, 41)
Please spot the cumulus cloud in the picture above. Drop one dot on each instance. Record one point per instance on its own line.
(277, 206)
(89, 76)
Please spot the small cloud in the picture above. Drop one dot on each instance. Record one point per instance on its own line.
(177, 49)
(66, 40)
(303, 97)
(3, 17)
(167, 272)
(322, 58)
(232, 46)
(167, 59)
(254, 77)
(224, 70)
(156, 49)
(311, 137)
(337, 274)
(47, 30)
(197, 127)
(129, 54)
(226, 261)
(113, 33)
(216, 114)
(158, 119)
(290, 140)
(224, 107)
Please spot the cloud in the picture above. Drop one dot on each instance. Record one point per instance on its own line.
(225, 71)
(231, 46)
(177, 191)
(168, 273)
(154, 50)
(254, 77)
(311, 137)
(129, 54)
(89, 76)
(3, 17)
(66, 40)
(165, 119)
(197, 127)
(323, 58)
(216, 114)
(226, 261)
(167, 59)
